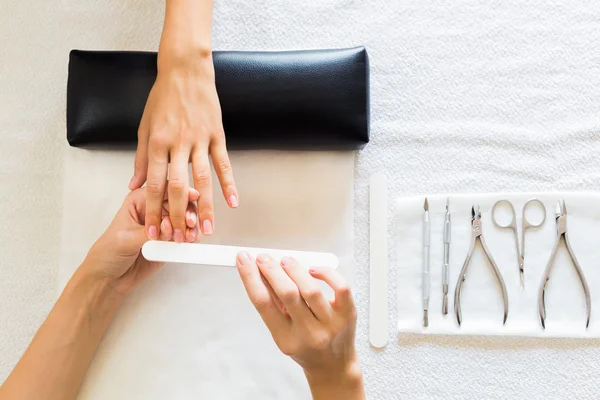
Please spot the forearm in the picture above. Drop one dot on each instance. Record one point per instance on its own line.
(347, 384)
(186, 35)
(56, 361)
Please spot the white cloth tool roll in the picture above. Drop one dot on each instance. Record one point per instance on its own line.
(481, 300)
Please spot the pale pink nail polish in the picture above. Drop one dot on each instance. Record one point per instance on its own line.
(244, 258)
(193, 217)
(152, 232)
(178, 236)
(263, 258)
(233, 201)
(207, 228)
(131, 181)
(286, 261)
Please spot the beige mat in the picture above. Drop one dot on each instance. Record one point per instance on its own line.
(190, 331)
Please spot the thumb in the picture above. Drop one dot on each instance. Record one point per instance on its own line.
(131, 241)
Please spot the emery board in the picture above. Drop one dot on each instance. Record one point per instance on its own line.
(225, 256)
(378, 257)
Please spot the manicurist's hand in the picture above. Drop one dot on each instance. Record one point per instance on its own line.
(317, 333)
(116, 255)
(56, 361)
(182, 123)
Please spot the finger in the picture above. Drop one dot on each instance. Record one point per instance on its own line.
(202, 183)
(309, 290)
(155, 188)
(166, 229)
(284, 287)
(259, 294)
(222, 165)
(343, 295)
(140, 165)
(193, 195)
(178, 192)
(191, 232)
(191, 216)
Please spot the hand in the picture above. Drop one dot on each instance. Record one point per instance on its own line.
(116, 254)
(318, 334)
(182, 124)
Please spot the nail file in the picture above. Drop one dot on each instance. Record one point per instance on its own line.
(225, 256)
(378, 247)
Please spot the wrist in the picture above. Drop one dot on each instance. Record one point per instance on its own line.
(185, 56)
(99, 286)
(346, 381)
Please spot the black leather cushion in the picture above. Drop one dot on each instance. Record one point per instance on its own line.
(299, 100)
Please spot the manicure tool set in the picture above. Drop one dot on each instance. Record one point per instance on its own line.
(477, 237)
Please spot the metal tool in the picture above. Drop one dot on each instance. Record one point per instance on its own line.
(561, 231)
(525, 224)
(445, 271)
(477, 234)
(426, 244)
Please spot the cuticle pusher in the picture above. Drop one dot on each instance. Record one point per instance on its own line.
(445, 269)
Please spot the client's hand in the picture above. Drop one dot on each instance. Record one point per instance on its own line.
(318, 334)
(182, 124)
(116, 254)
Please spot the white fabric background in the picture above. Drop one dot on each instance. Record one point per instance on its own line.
(467, 96)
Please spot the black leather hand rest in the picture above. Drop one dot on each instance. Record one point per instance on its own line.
(298, 100)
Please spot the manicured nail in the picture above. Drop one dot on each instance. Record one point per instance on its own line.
(131, 181)
(178, 236)
(244, 258)
(233, 201)
(263, 258)
(190, 219)
(191, 235)
(207, 228)
(285, 261)
(153, 232)
(312, 270)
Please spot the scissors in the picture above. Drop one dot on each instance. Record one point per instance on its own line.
(477, 235)
(561, 233)
(525, 224)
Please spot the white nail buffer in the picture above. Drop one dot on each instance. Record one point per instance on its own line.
(225, 256)
(378, 257)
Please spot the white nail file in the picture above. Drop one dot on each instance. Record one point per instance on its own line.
(378, 258)
(225, 256)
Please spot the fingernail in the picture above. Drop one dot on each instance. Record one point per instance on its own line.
(207, 228)
(193, 217)
(191, 235)
(196, 193)
(233, 201)
(244, 258)
(263, 258)
(131, 181)
(153, 232)
(285, 261)
(312, 270)
(178, 236)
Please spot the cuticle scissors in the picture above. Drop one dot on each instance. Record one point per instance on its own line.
(525, 224)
